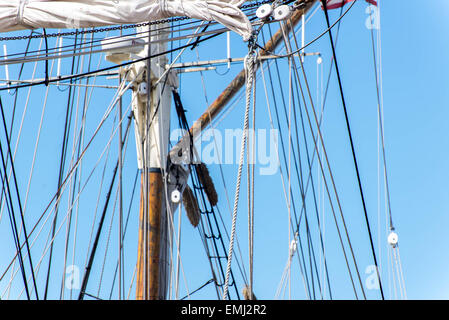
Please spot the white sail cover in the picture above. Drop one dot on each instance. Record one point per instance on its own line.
(33, 14)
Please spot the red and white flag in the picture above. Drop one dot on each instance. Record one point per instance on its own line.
(334, 4)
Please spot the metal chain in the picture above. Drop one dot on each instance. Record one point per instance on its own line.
(98, 30)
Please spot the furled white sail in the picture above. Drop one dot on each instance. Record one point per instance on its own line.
(33, 14)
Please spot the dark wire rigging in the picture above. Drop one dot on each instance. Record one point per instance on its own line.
(352, 145)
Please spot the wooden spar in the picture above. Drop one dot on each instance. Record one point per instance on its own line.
(152, 251)
(217, 106)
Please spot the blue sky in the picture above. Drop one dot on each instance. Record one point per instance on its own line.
(415, 77)
(418, 104)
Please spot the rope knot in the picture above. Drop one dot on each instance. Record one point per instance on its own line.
(252, 42)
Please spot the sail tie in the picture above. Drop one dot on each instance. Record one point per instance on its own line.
(20, 8)
(163, 8)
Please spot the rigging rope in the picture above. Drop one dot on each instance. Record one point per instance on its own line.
(296, 159)
(196, 290)
(57, 199)
(89, 73)
(65, 138)
(17, 195)
(352, 147)
(290, 191)
(249, 67)
(320, 135)
(64, 184)
(100, 226)
(280, 168)
(18, 138)
(214, 236)
(377, 64)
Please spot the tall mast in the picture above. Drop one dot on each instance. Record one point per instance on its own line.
(151, 106)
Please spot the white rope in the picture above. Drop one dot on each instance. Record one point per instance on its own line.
(281, 175)
(401, 273)
(393, 274)
(286, 277)
(250, 175)
(240, 263)
(249, 68)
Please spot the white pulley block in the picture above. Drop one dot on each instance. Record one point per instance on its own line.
(176, 196)
(293, 245)
(393, 239)
(282, 12)
(264, 11)
(142, 90)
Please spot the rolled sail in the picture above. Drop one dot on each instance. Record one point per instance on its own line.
(61, 14)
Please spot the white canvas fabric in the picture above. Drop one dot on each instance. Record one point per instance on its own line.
(33, 14)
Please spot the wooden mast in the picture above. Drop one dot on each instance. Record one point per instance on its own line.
(148, 267)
